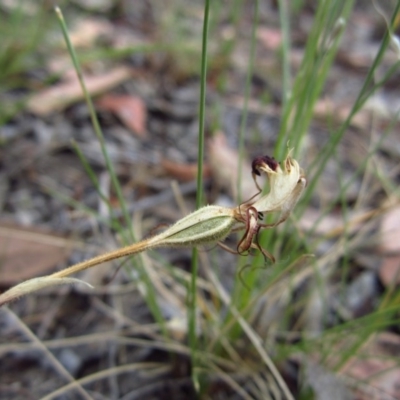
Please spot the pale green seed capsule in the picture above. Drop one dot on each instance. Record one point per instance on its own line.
(208, 224)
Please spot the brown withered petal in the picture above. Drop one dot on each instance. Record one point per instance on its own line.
(261, 161)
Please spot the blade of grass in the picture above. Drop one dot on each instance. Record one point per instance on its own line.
(90, 173)
(192, 331)
(95, 121)
(253, 336)
(284, 19)
(297, 113)
(366, 91)
(51, 359)
(241, 293)
(319, 54)
(149, 293)
(243, 121)
(345, 186)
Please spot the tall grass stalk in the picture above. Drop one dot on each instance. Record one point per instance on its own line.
(284, 19)
(321, 48)
(95, 124)
(149, 293)
(297, 111)
(192, 293)
(244, 117)
(241, 293)
(368, 89)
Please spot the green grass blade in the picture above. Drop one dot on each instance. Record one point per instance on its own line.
(284, 18)
(241, 293)
(150, 294)
(95, 121)
(243, 121)
(192, 331)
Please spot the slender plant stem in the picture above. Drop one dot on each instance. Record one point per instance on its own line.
(150, 293)
(284, 18)
(242, 294)
(365, 92)
(199, 198)
(102, 258)
(243, 122)
(94, 119)
(203, 83)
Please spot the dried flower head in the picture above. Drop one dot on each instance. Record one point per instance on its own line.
(286, 183)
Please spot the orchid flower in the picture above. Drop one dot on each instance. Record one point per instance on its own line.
(209, 224)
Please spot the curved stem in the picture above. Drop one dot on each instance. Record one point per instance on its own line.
(102, 258)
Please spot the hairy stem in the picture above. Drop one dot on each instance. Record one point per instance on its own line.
(102, 258)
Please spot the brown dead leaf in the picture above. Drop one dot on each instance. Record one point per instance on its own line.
(61, 65)
(131, 110)
(88, 30)
(383, 111)
(377, 367)
(334, 224)
(390, 232)
(389, 270)
(62, 95)
(270, 38)
(360, 57)
(184, 172)
(327, 110)
(321, 224)
(28, 253)
(357, 59)
(224, 164)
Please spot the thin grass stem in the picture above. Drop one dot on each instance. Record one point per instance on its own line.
(95, 122)
(192, 330)
(243, 121)
(284, 18)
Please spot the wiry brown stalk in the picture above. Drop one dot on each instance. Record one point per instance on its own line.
(102, 258)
